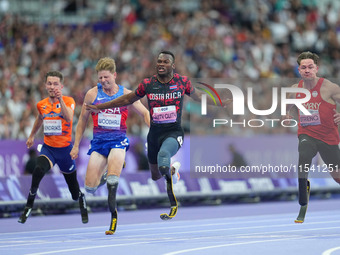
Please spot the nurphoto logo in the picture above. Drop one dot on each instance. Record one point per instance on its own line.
(239, 103)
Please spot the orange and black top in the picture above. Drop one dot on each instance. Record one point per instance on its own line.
(57, 131)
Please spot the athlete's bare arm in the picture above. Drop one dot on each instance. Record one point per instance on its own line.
(334, 91)
(140, 108)
(289, 108)
(36, 126)
(118, 102)
(66, 112)
(82, 122)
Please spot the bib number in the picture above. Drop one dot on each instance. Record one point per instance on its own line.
(164, 114)
(310, 120)
(109, 121)
(52, 127)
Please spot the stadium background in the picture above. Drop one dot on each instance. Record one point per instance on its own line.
(246, 42)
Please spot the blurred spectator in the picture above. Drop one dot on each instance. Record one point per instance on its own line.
(239, 41)
(72, 6)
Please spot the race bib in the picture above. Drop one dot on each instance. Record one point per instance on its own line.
(164, 114)
(109, 121)
(52, 127)
(310, 120)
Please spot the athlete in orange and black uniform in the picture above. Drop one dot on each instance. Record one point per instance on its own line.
(56, 116)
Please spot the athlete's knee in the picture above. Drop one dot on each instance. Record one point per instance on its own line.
(164, 170)
(38, 172)
(90, 190)
(306, 151)
(163, 154)
(112, 181)
(306, 154)
(163, 160)
(42, 166)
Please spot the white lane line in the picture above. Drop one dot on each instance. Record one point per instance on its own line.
(242, 243)
(232, 220)
(88, 248)
(181, 239)
(122, 238)
(165, 227)
(330, 251)
(159, 240)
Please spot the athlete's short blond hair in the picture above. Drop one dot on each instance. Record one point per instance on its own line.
(106, 64)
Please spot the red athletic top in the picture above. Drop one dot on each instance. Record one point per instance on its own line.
(165, 100)
(320, 124)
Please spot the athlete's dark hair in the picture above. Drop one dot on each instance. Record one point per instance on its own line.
(55, 74)
(308, 55)
(168, 53)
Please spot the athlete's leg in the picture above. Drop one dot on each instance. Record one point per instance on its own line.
(307, 151)
(152, 151)
(330, 154)
(168, 149)
(115, 165)
(95, 170)
(42, 167)
(73, 185)
(155, 174)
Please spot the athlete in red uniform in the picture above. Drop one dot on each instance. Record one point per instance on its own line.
(317, 132)
(56, 116)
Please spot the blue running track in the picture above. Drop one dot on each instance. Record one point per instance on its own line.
(256, 229)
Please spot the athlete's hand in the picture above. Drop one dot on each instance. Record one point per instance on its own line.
(91, 107)
(336, 117)
(74, 152)
(58, 93)
(30, 142)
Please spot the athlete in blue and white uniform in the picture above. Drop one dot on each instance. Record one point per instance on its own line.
(109, 143)
(109, 125)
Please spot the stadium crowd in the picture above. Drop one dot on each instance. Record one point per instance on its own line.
(244, 42)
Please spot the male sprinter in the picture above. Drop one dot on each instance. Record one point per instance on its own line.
(318, 132)
(109, 143)
(165, 93)
(56, 114)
